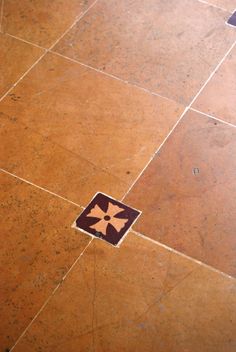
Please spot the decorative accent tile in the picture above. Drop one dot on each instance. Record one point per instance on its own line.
(232, 20)
(106, 218)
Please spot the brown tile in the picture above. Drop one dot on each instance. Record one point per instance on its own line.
(229, 5)
(16, 58)
(141, 298)
(106, 218)
(187, 194)
(31, 156)
(38, 248)
(92, 115)
(41, 22)
(169, 47)
(219, 96)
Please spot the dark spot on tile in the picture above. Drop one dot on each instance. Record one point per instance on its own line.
(196, 171)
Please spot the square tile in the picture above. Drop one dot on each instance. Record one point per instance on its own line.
(187, 193)
(92, 116)
(38, 247)
(232, 19)
(16, 57)
(107, 219)
(168, 47)
(140, 298)
(47, 164)
(219, 95)
(41, 22)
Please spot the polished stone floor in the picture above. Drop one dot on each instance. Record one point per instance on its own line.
(137, 100)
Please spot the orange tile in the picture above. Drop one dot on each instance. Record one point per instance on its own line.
(219, 96)
(187, 193)
(41, 22)
(229, 5)
(113, 125)
(141, 298)
(38, 247)
(33, 157)
(169, 47)
(16, 58)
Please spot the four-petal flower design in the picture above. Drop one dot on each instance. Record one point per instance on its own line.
(107, 217)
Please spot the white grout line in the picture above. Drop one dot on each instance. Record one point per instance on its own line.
(213, 117)
(1, 15)
(180, 118)
(152, 157)
(41, 188)
(213, 5)
(212, 74)
(25, 41)
(50, 297)
(183, 255)
(114, 77)
(47, 50)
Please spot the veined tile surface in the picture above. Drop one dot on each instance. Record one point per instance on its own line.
(41, 22)
(16, 58)
(31, 156)
(139, 298)
(38, 248)
(112, 125)
(170, 47)
(187, 194)
(219, 96)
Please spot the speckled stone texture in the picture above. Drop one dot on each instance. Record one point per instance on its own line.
(188, 192)
(169, 47)
(140, 298)
(38, 247)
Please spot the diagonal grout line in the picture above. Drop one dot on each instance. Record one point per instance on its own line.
(25, 41)
(182, 254)
(213, 117)
(47, 50)
(51, 295)
(113, 76)
(213, 5)
(41, 188)
(181, 117)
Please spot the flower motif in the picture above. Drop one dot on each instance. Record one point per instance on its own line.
(106, 218)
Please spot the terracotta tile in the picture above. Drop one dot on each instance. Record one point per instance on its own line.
(16, 58)
(229, 5)
(141, 298)
(219, 96)
(92, 115)
(169, 47)
(50, 166)
(187, 194)
(38, 248)
(41, 22)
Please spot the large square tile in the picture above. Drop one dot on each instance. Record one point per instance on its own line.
(138, 298)
(38, 246)
(218, 98)
(170, 47)
(16, 57)
(113, 125)
(41, 22)
(187, 194)
(35, 158)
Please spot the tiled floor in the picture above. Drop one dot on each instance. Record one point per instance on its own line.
(134, 99)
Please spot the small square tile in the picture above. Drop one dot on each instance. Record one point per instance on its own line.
(232, 19)
(106, 218)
